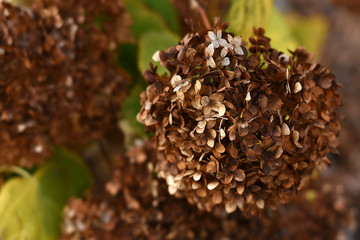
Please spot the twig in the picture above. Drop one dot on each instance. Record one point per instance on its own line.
(194, 4)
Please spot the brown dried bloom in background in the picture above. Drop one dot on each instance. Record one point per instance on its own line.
(239, 129)
(59, 83)
(137, 206)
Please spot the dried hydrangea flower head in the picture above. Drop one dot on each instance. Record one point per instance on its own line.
(136, 205)
(56, 72)
(239, 129)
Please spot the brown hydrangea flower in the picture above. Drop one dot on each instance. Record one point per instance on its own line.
(59, 83)
(138, 206)
(239, 128)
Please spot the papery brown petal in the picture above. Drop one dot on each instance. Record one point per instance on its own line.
(239, 175)
(219, 147)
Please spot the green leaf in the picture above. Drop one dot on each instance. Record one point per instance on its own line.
(31, 207)
(167, 10)
(77, 171)
(244, 15)
(144, 19)
(152, 42)
(127, 59)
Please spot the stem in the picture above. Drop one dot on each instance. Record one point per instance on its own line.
(194, 4)
(16, 170)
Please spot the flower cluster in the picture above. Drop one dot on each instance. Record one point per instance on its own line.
(137, 206)
(239, 129)
(59, 80)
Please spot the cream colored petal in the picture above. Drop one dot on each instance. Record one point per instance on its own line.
(170, 119)
(177, 88)
(209, 51)
(223, 42)
(248, 96)
(197, 86)
(212, 35)
(175, 80)
(202, 124)
(211, 63)
(220, 108)
(204, 101)
(238, 50)
(297, 87)
(230, 38)
(225, 61)
(172, 189)
(212, 185)
(285, 129)
(219, 34)
(222, 133)
(200, 130)
(170, 180)
(148, 105)
(224, 52)
(215, 43)
(156, 56)
(197, 176)
(230, 206)
(237, 40)
(210, 143)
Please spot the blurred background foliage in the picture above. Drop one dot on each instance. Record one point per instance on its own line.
(32, 203)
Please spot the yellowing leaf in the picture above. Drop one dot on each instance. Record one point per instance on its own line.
(244, 15)
(280, 32)
(31, 207)
(23, 3)
(287, 31)
(310, 31)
